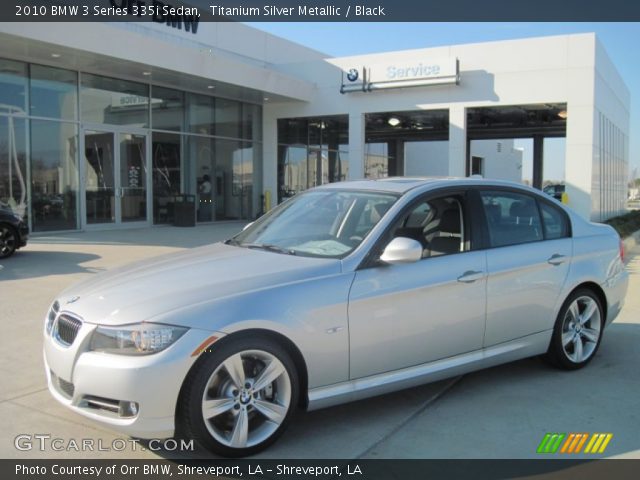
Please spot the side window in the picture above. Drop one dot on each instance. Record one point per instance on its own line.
(437, 223)
(512, 218)
(555, 222)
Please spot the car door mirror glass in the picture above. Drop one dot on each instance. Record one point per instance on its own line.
(402, 250)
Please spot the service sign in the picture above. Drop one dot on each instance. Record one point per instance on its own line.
(401, 75)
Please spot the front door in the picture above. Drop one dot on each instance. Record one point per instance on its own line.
(115, 178)
(416, 313)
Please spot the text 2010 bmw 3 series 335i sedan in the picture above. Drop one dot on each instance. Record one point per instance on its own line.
(343, 292)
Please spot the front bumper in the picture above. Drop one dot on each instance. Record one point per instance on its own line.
(99, 385)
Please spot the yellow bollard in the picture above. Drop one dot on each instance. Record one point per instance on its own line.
(564, 198)
(267, 200)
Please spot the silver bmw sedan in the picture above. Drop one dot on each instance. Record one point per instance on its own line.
(343, 292)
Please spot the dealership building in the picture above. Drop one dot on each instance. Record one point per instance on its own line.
(142, 123)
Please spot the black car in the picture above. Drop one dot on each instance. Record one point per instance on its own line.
(13, 232)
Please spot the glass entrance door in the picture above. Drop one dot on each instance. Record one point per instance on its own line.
(133, 177)
(115, 177)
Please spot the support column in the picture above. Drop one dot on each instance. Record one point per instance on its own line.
(356, 146)
(538, 161)
(457, 141)
(399, 153)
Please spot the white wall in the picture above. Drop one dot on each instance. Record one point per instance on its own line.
(426, 159)
(430, 159)
(501, 160)
(610, 146)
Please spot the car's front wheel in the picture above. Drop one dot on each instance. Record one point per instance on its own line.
(240, 397)
(578, 331)
(8, 240)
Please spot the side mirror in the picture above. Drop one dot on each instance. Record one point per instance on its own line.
(402, 250)
(247, 226)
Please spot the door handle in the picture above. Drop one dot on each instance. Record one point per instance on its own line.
(557, 259)
(470, 276)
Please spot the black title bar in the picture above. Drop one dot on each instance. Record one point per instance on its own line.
(318, 10)
(257, 469)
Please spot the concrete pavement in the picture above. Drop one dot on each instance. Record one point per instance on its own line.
(501, 412)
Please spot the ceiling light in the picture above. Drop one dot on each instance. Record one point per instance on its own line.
(146, 74)
(266, 99)
(562, 114)
(211, 86)
(393, 121)
(56, 55)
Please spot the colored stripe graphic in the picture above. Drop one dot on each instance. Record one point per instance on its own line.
(574, 442)
(598, 443)
(551, 442)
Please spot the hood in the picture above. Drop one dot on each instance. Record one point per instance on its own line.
(147, 289)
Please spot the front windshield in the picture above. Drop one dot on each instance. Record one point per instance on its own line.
(319, 223)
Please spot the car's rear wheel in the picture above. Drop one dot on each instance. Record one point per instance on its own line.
(8, 240)
(578, 331)
(240, 398)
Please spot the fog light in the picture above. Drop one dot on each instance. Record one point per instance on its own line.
(128, 409)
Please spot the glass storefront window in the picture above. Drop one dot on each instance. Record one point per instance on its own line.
(251, 124)
(227, 118)
(233, 175)
(113, 101)
(215, 153)
(201, 156)
(53, 92)
(167, 109)
(54, 175)
(376, 160)
(13, 87)
(13, 164)
(293, 131)
(312, 151)
(292, 170)
(167, 174)
(200, 116)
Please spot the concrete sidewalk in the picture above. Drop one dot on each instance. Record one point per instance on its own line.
(502, 412)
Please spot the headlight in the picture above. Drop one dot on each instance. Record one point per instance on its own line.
(136, 339)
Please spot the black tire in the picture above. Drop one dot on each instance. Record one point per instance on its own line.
(210, 380)
(564, 351)
(8, 240)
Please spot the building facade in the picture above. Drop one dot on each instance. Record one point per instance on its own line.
(121, 124)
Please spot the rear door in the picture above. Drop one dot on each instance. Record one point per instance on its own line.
(528, 257)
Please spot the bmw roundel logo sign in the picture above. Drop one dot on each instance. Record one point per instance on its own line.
(352, 75)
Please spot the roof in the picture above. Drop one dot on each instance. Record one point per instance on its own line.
(402, 185)
(390, 184)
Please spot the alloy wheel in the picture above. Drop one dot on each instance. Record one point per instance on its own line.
(246, 399)
(581, 329)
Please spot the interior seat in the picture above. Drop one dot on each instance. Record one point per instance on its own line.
(448, 237)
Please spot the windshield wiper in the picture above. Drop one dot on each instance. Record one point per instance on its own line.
(269, 247)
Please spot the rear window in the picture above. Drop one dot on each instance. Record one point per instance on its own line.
(555, 222)
(512, 218)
